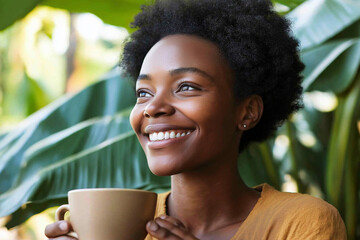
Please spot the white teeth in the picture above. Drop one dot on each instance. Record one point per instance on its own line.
(160, 136)
(154, 138)
(166, 135)
(172, 135)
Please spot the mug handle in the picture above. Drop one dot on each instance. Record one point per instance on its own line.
(60, 214)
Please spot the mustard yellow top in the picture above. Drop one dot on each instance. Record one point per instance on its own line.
(278, 215)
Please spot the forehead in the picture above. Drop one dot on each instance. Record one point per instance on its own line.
(176, 51)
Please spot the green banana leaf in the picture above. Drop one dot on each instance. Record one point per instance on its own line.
(351, 177)
(101, 99)
(290, 3)
(2, 136)
(342, 172)
(102, 152)
(26, 99)
(116, 12)
(119, 13)
(316, 21)
(256, 165)
(353, 31)
(351, 182)
(344, 67)
(11, 11)
(311, 160)
(346, 116)
(330, 57)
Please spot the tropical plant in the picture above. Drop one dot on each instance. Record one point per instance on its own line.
(118, 13)
(93, 140)
(331, 52)
(85, 140)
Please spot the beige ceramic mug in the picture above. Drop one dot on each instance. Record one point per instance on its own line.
(109, 213)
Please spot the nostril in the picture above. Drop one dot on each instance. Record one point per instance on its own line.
(159, 114)
(146, 114)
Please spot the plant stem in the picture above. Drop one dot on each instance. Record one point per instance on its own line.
(270, 164)
(292, 154)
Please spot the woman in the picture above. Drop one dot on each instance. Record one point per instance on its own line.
(211, 77)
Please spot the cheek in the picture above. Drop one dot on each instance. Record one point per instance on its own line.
(210, 113)
(216, 122)
(135, 118)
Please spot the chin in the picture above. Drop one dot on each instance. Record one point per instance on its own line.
(163, 167)
(162, 172)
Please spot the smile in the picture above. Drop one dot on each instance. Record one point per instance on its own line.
(158, 136)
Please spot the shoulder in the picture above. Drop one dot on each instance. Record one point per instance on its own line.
(296, 202)
(301, 216)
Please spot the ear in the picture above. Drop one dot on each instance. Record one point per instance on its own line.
(250, 111)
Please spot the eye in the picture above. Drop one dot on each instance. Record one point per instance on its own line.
(142, 94)
(186, 87)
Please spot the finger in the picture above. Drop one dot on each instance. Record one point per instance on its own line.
(160, 233)
(173, 220)
(63, 238)
(177, 229)
(58, 229)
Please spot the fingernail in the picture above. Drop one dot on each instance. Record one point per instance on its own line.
(153, 226)
(63, 226)
(163, 216)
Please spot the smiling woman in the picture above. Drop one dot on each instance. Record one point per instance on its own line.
(211, 77)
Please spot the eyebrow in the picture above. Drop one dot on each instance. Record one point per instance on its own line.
(180, 71)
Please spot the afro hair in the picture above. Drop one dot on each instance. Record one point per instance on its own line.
(255, 40)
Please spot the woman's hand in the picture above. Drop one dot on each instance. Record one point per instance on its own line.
(169, 228)
(58, 231)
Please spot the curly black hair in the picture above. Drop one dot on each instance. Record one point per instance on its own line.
(255, 40)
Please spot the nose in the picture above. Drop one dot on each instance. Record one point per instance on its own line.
(159, 105)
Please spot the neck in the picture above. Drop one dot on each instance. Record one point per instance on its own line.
(210, 199)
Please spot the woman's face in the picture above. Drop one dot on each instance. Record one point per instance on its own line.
(186, 114)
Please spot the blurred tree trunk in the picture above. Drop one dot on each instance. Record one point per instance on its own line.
(70, 53)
